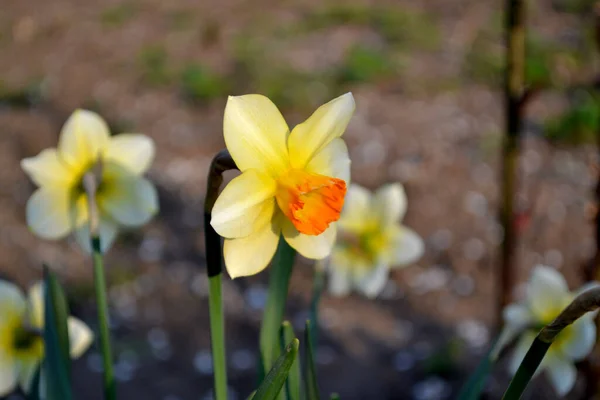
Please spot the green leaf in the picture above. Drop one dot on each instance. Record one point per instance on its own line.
(524, 374)
(476, 383)
(292, 385)
(279, 280)
(334, 396)
(310, 374)
(57, 361)
(275, 379)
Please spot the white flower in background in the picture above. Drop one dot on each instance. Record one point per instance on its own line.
(21, 343)
(371, 240)
(124, 197)
(547, 294)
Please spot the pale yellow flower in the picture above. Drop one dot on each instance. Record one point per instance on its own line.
(124, 197)
(547, 295)
(371, 240)
(291, 183)
(21, 344)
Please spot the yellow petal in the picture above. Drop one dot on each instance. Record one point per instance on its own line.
(129, 200)
(83, 138)
(251, 254)
(256, 134)
(389, 203)
(315, 247)
(332, 160)
(35, 305)
(134, 152)
(47, 169)
(246, 204)
(356, 212)
(80, 337)
(108, 231)
(49, 214)
(327, 123)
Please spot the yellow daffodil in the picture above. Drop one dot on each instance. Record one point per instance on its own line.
(124, 197)
(371, 240)
(547, 295)
(291, 183)
(21, 343)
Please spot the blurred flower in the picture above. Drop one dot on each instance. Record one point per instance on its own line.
(291, 183)
(21, 343)
(547, 295)
(371, 239)
(124, 197)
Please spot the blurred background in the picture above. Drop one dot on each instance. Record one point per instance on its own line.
(427, 80)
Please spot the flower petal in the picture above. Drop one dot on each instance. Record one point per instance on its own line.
(372, 283)
(333, 160)
(408, 246)
(246, 204)
(256, 134)
(47, 169)
(8, 375)
(107, 230)
(389, 203)
(562, 374)
(27, 369)
(130, 201)
(547, 293)
(83, 138)
(35, 305)
(315, 247)
(520, 350)
(12, 301)
(581, 340)
(134, 152)
(327, 123)
(356, 209)
(251, 254)
(516, 317)
(48, 213)
(340, 278)
(80, 337)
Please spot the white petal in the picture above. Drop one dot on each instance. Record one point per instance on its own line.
(47, 169)
(356, 209)
(517, 317)
(333, 160)
(26, 371)
(408, 246)
(389, 203)
(251, 254)
(134, 152)
(547, 292)
(35, 305)
(315, 247)
(80, 337)
(581, 338)
(130, 201)
(256, 134)
(246, 204)
(49, 213)
(562, 374)
(8, 375)
(327, 123)
(12, 301)
(83, 139)
(372, 283)
(108, 231)
(340, 280)
(520, 350)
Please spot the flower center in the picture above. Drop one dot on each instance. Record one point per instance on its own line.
(365, 246)
(25, 339)
(310, 201)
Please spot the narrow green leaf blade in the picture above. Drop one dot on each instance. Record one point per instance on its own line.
(524, 374)
(57, 361)
(275, 379)
(310, 373)
(292, 385)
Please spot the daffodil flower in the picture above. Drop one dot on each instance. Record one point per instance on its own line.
(21, 343)
(547, 294)
(371, 240)
(291, 183)
(124, 197)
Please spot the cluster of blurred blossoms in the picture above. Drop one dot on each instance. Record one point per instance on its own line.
(124, 197)
(21, 341)
(546, 296)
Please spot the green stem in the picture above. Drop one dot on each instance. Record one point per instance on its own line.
(318, 283)
(279, 281)
(217, 336)
(110, 390)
